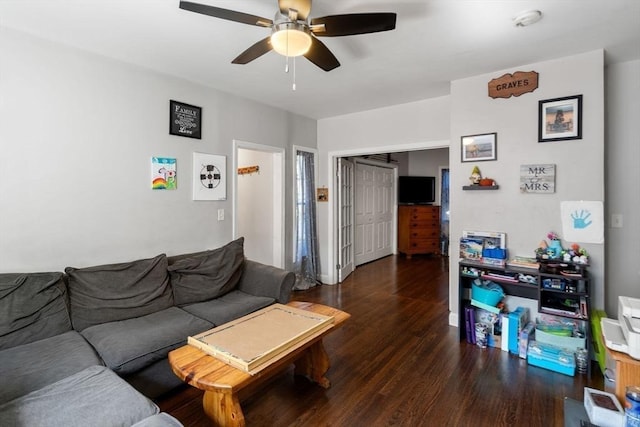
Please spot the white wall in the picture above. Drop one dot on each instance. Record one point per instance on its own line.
(427, 162)
(77, 132)
(526, 218)
(406, 127)
(622, 147)
(255, 206)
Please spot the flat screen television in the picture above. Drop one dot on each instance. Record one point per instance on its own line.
(416, 190)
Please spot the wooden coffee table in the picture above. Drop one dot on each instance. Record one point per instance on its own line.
(224, 385)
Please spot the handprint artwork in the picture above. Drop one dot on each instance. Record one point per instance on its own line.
(581, 219)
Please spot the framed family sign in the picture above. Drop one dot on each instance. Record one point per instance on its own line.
(560, 119)
(185, 120)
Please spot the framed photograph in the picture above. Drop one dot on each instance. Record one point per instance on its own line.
(478, 148)
(185, 120)
(560, 119)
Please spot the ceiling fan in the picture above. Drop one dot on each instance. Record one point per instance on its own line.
(294, 34)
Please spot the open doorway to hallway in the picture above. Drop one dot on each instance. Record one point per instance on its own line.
(419, 162)
(259, 202)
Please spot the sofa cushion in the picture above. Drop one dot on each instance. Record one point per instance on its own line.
(107, 293)
(207, 275)
(228, 307)
(94, 396)
(32, 307)
(127, 346)
(28, 367)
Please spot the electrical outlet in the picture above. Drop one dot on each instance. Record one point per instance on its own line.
(220, 214)
(616, 220)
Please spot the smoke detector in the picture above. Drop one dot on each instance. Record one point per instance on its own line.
(527, 18)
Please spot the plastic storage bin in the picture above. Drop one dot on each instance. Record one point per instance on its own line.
(570, 343)
(487, 292)
(552, 358)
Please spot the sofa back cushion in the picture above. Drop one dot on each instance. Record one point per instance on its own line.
(207, 275)
(32, 307)
(107, 293)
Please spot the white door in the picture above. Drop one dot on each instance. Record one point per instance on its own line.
(345, 218)
(374, 203)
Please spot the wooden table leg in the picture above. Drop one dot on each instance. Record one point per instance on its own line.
(314, 364)
(223, 408)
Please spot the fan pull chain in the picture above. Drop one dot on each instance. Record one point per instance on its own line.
(293, 87)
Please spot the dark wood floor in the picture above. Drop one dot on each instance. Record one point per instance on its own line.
(397, 362)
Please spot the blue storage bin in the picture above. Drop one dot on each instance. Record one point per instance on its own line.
(486, 292)
(551, 357)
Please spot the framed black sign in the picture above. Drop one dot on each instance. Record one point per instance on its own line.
(185, 120)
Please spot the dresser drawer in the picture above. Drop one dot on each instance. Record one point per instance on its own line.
(426, 224)
(423, 214)
(424, 245)
(417, 233)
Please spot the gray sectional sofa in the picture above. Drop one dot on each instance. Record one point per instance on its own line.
(89, 346)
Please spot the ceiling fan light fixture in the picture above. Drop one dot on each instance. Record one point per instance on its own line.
(291, 39)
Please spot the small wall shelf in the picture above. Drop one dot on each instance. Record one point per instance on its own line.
(480, 187)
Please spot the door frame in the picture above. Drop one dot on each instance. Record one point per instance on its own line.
(277, 156)
(330, 277)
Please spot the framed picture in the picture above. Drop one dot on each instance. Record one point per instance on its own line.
(478, 148)
(185, 120)
(209, 177)
(560, 119)
(163, 173)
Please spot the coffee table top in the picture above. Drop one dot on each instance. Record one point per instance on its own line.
(205, 372)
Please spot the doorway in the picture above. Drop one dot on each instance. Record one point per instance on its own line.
(259, 203)
(330, 276)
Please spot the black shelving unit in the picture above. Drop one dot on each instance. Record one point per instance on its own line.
(558, 292)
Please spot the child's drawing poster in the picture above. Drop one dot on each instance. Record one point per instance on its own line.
(163, 173)
(582, 222)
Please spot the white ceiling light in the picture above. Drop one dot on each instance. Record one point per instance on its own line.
(527, 18)
(291, 38)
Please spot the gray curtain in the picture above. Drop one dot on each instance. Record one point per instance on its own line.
(306, 252)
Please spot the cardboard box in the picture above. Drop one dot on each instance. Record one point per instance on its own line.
(525, 335)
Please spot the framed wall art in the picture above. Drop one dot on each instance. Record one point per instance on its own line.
(163, 173)
(478, 148)
(209, 177)
(185, 120)
(560, 119)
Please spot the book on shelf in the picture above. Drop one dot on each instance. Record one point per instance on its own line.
(252, 342)
(502, 277)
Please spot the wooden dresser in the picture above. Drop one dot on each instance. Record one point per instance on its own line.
(418, 229)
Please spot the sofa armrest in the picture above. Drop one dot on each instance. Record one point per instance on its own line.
(266, 281)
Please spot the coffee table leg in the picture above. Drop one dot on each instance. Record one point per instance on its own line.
(223, 408)
(314, 364)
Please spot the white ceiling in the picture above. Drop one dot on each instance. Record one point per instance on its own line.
(435, 42)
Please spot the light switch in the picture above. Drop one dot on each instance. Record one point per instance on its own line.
(616, 220)
(220, 214)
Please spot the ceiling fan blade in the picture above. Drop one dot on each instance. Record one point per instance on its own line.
(302, 6)
(254, 52)
(320, 55)
(352, 24)
(230, 15)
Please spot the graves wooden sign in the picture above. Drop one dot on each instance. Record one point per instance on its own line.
(513, 84)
